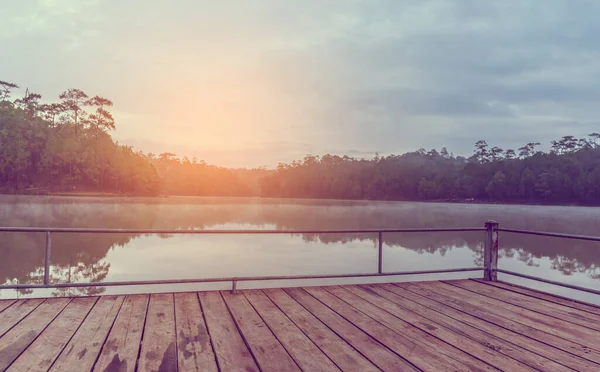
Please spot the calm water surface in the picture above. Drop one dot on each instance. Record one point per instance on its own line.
(116, 257)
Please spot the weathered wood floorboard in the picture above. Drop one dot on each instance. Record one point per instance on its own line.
(40, 355)
(464, 325)
(15, 341)
(532, 352)
(575, 316)
(121, 348)
(377, 352)
(503, 318)
(544, 296)
(268, 351)
(81, 352)
(194, 350)
(341, 353)
(230, 348)
(159, 351)
(301, 348)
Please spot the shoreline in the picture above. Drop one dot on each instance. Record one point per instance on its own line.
(107, 195)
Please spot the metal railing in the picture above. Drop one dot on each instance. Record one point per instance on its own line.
(490, 267)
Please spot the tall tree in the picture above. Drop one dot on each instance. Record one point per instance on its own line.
(101, 120)
(5, 89)
(73, 103)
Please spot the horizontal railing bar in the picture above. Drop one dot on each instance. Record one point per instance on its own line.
(583, 289)
(161, 231)
(556, 235)
(237, 279)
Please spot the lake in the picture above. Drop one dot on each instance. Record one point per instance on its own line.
(117, 257)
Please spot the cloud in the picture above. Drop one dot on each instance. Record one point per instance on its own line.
(245, 83)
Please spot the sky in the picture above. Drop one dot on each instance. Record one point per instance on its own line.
(248, 84)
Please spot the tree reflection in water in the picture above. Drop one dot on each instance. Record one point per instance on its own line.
(82, 257)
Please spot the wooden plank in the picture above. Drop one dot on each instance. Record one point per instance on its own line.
(429, 346)
(371, 348)
(456, 345)
(40, 355)
(571, 315)
(120, 351)
(308, 356)
(22, 335)
(500, 317)
(544, 296)
(159, 350)
(501, 330)
(342, 354)
(194, 350)
(553, 325)
(4, 304)
(455, 324)
(412, 344)
(267, 350)
(81, 352)
(230, 349)
(15, 313)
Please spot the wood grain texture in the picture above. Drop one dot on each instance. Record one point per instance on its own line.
(442, 326)
(81, 352)
(575, 316)
(488, 340)
(340, 352)
(547, 323)
(159, 350)
(501, 330)
(308, 356)
(15, 341)
(500, 317)
(16, 312)
(371, 348)
(451, 344)
(120, 351)
(4, 304)
(194, 348)
(392, 332)
(40, 355)
(230, 348)
(267, 350)
(544, 296)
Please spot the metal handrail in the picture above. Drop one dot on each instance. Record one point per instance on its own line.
(571, 286)
(490, 254)
(229, 232)
(550, 234)
(235, 279)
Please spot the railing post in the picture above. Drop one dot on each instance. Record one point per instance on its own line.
(47, 259)
(490, 253)
(233, 287)
(380, 262)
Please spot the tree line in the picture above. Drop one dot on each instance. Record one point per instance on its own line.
(66, 146)
(568, 174)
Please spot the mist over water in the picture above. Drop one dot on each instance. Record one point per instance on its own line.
(116, 257)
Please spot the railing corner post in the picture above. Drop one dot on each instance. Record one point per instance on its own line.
(380, 253)
(47, 259)
(490, 253)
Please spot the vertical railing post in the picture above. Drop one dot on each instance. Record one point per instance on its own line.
(47, 259)
(380, 256)
(234, 287)
(490, 252)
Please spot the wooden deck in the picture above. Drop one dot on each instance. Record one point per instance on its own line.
(462, 325)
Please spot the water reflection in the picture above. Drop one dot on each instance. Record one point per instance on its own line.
(97, 257)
